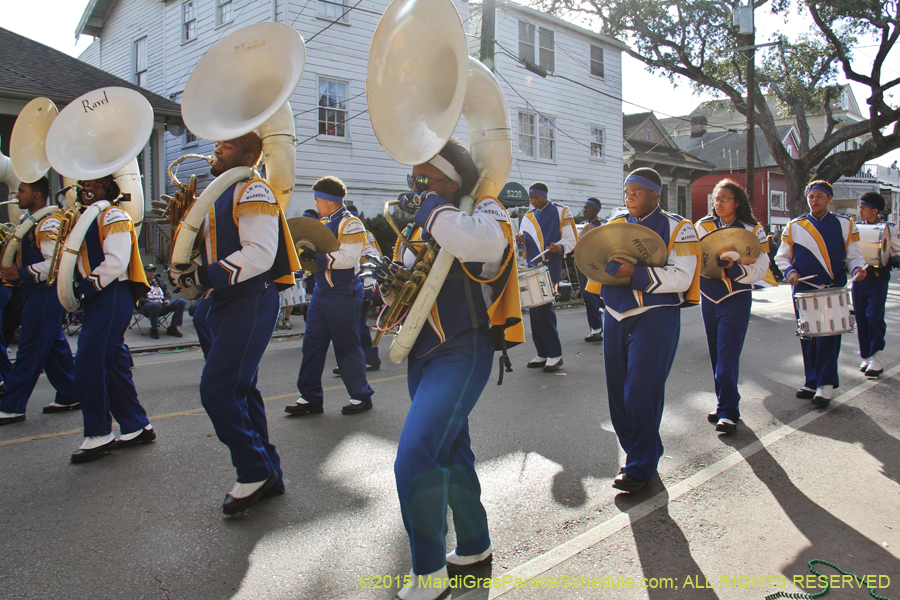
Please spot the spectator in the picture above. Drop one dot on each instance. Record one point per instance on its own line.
(158, 302)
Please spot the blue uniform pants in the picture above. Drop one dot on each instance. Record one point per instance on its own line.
(5, 364)
(201, 324)
(592, 304)
(42, 347)
(333, 318)
(242, 319)
(103, 364)
(365, 336)
(820, 358)
(638, 353)
(726, 327)
(435, 465)
(869, 298)
(544, 332)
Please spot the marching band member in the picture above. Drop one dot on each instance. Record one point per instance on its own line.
(726, 302)
(592, 301)
(548, 233)
(371, 252)
(110, 278)
(819, 247)
(642, 326)
(449, 365)
(870, 295)
(246, 258)
(42, 345)
(333, 313)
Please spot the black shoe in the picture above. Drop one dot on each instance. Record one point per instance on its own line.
(233, 505)
(55, 408)
(352, 409)
(83, 456)
(173, 331)
(144, 437)
(594, 337)
(154, 333)
(8, 420)
(553, 368)
(713, 417)
(537, 364)
(821, 402)
(724, 427)
(873, 373)
(805, 393)
(627, 483)
(303, 409)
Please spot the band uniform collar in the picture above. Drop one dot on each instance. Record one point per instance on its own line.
(337, 214)
(652, 212)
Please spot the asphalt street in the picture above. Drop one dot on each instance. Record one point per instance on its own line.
(730, 517)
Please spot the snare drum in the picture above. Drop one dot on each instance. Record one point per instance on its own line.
(535, 286)
(823, 313)
(875, 243)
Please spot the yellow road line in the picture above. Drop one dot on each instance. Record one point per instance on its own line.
(182, 413)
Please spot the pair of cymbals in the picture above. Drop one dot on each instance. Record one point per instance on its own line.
(599, 246)
(310, 233)
(728, 239)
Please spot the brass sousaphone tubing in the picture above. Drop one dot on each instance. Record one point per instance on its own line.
(727, 239)
(635, 243)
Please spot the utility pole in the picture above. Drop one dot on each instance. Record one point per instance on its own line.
(488, 32)
(751, 107)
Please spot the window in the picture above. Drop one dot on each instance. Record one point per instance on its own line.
(139, 62)
(682, 201)
(597, 61)
(597, 142)
(777, 201)
(332, 10)
(537, 136)
(664, 197)
(332, 108)
(545, 44)
(188, 139)
(224, 13)
(188, 21)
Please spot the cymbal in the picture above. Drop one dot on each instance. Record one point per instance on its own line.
(727, 239)
(309, 233)
(587, 228)
(636, 243)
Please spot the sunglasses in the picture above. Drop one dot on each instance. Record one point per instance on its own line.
(420, 183)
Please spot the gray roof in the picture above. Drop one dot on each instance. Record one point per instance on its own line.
(29, 69)
(728, 150)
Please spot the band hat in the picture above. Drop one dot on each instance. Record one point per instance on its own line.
(537, 192)
(592, 203)
(650, 185)
(821, 188)
(328, 197)
(443, 165)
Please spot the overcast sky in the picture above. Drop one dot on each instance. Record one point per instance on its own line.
(53, 22)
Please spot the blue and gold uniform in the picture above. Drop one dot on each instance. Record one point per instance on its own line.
(593, 304)
(111, 277)
(551, 224)
(824, 250)
(371, 251)
(476, 312)
(42, 344)
(333, 318)
(642, 326)
(249, 258)
(726, 314)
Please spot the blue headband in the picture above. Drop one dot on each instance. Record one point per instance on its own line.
(537, 191)
(869, 204)
(328, 197)
(653, 187)
(820, 187)
(592, 203)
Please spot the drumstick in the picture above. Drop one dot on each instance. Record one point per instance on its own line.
(539, 255)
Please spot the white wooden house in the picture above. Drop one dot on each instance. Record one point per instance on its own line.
(564, 134)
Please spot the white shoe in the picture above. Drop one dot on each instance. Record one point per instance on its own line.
(876, 365)
(864, 365)
(95, 441)
(432, 586)
(455, 560)
(825, 391)
(552, 361)
(242, 490)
